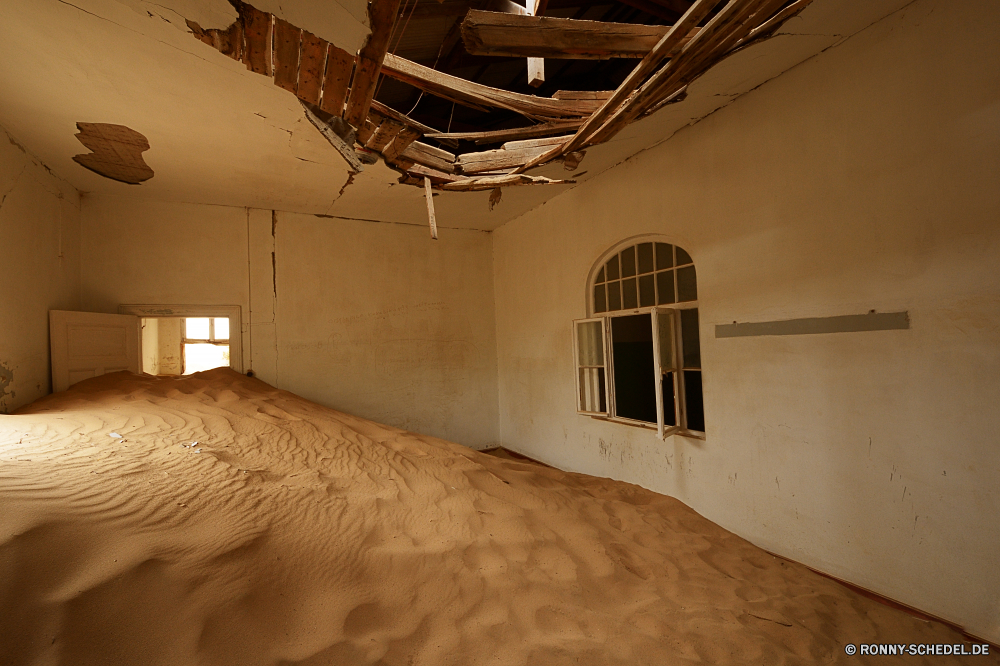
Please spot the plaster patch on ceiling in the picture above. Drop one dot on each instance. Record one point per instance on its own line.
(206, 13)
(343, 23)
(117, 152)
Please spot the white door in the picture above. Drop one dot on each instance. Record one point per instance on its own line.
(88, 344)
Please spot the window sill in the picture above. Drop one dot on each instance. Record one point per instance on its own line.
(687, 434)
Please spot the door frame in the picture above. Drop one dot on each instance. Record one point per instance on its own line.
(233, 312)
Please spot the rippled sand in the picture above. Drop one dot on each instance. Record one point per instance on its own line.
(232, 523)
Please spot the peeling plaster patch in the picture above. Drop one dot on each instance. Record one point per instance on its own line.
(117, 152)
(6, 377)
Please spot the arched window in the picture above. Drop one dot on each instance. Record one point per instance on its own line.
(638, 356)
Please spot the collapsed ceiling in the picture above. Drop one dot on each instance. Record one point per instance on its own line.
(425, 90)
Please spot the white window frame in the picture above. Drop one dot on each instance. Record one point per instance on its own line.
(232, 312)
(579, 367)
(657, 314)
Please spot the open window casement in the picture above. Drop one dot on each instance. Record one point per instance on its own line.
(591, 366)
(665, 353)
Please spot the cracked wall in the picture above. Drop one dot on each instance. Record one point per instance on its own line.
(39, 268)
(863, 179)
(370, 318)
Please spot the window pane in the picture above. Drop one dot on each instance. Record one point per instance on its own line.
(630, 299)
(592, 397)
(664, 256)
(590, 343)
(669, 400)
(614, 296)
(203, 356)
(612, 267)
(196, 328)
(647, 294)
(221, 328)
(666, 335)
(694, 401)
(600, 276)
(645, 257)
(687, 289)
(665, 287)
(689, 338)
(634, 374)
(683, 257)
(628, 262)
(600, 305)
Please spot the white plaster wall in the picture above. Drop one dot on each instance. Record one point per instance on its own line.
(373, 319)
(865, 178)
(39, 268)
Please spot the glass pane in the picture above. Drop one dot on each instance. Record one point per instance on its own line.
(629, 297)
(203, 356)
(665, 287)
(666, 328)
(669, 400)
(634, 374)
(592, 396)
(694, 401)
(683, 257)
(614, 296)
(645, 258)
(664, 256)
(687, 289)
(612, 267)
(628, 262)
(599, 303)
(689, 338)
(647, 294)
(590, 343)
(221, 328)
(196, 328)
(600, 276)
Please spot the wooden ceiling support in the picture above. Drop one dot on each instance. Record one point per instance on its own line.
(381, 17)
(495, 34)
(498, 136)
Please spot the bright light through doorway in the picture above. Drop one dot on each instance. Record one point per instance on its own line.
(206, 343)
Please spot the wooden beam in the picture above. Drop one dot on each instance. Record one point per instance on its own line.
(497, 160)
(669, 42)
(312, 60)
(495, 34)
(401, 142)
(384, 135)
(492, 182)
(339, 65)
(429, 156)
(381, 16)
(346, 151)
(497, 136)
(286, 54)
(257, 36)
(478, 96)
(430, 208)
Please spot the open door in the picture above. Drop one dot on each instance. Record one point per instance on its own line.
(88, 344)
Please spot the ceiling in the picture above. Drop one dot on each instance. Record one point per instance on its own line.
(220, 134)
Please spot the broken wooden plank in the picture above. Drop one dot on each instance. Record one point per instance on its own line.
(536, 143)
(386, 132)
(677, 33)
(228, 42)
(421, 153)
(491, 182)
(257, 39)
(419, 170)
(367, 129)
(497, 136)
(312, 60)
(583, 94)
(401, 142)
(345, 149)
(478, 96)
(496, 34)
(286, 54)
(496, 160)
(339, 65)
(432, 220)
(381, 16)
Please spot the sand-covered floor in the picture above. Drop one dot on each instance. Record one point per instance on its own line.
(216, 520)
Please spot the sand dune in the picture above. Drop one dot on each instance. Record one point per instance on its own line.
(216, 520)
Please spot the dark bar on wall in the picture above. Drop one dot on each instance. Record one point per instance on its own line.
(872, 321)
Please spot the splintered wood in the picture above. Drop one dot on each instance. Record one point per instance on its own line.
(432, 220)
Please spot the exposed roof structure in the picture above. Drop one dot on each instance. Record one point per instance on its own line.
(418, 89)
